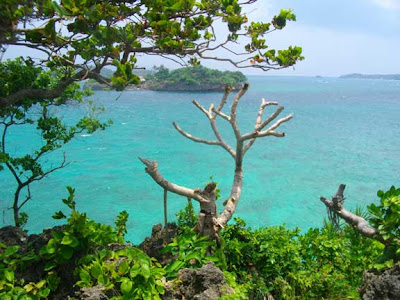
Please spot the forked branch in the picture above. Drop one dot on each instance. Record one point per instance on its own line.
(336, 205)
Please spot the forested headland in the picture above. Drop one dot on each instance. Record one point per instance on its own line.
(197, 78)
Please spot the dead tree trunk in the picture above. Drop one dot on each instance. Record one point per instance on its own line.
(336, 206)
(209, 222)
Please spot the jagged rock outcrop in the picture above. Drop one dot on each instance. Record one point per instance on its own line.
(160, 237)
(206, 283)
(10, 236)
(385, 286)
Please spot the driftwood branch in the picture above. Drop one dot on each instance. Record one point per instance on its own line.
(152, 170)
(336, 205)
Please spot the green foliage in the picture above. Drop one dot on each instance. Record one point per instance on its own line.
(190, 251)
(186, 219)
(385, 217)
(12, 287)
(320, 264)
(84, 244)
(193, 77)
(80, 236)
(129, 273)
(120, 223)
(30, 167)
(102, 32)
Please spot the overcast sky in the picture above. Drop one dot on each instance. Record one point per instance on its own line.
(337, 37)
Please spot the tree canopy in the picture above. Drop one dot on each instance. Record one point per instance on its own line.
(81, 37)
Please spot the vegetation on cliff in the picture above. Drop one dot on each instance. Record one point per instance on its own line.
(197, 78)
(84, 255)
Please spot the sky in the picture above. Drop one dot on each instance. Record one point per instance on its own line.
(340, 36)
(337, 36)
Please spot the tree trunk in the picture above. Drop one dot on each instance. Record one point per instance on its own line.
(16, 206)
(206, 224)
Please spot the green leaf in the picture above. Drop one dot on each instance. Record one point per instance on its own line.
(96, 270)
(66, 240)
(85, 276)
(145, 270)
(40, 284)
(123, 268)
(175, 266)
(103, 280)
(71, 241)
(134, 271)
(53, 281)
(51, 246)
(11, 251)
(59, 215)
(43, 293)
(50, 265)
(66, 252)
(9, 275)
(126, 287)
(193, 255)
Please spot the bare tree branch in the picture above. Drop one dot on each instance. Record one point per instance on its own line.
(221, 114)
(197, 104)
(152, 170)
(235, 103)
(257, 125)
(228, 90)
(359, 223)
(195, 139)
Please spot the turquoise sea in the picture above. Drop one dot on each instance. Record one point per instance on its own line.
(343, 131)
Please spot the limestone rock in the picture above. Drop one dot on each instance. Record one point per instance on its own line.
(160, 237)
(206, 283)
(385, 286)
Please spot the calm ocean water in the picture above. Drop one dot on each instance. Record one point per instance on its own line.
(343, 131)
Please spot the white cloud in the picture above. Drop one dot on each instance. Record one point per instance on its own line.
(390, 4)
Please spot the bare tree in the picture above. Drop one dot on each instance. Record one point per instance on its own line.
(210, 222)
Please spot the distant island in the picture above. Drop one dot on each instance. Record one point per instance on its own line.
(371, 76)
(197, 78)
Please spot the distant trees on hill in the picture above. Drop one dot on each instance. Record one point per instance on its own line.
(197, 77)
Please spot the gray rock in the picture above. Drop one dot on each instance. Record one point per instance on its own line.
(160, 237)
(10, 236)
(385, 286)
(206, 283)
(92, 293)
